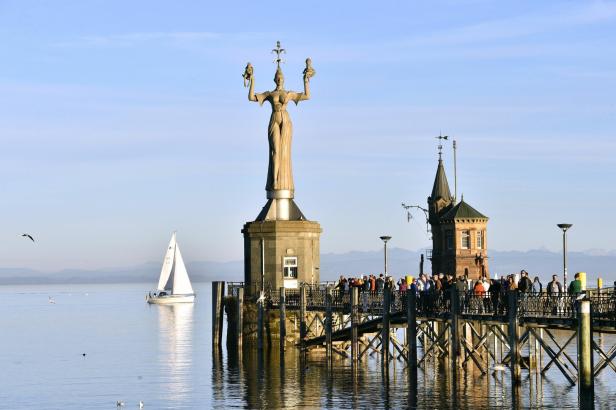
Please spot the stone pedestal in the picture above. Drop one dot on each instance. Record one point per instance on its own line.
(287, 250)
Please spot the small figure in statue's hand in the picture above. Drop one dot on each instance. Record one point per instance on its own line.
(309, 72)
(247, 73)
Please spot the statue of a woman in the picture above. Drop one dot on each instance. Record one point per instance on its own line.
(280, 130)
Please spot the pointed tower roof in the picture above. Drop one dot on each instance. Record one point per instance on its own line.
(441, 186)
(463, 211)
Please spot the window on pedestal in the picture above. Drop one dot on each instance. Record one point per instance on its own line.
(480, 239)
(289, 267)
(466, 239)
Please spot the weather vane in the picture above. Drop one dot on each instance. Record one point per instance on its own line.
(278, 52)
(440, 138)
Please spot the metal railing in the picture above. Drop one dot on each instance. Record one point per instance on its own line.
(531, 306)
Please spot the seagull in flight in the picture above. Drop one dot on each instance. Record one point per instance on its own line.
(25, 235)
(52, 300)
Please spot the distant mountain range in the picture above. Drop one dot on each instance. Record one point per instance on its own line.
(597, 263)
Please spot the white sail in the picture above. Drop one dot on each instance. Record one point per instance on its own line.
(181, 282)
(166, 281)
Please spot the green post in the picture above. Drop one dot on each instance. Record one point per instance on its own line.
(514, 337)
(586, 388)
(354, 322)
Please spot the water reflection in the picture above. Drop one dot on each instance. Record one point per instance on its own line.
(269, 380)
(176, 345)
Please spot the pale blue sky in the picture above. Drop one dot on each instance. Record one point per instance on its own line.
(121, 121)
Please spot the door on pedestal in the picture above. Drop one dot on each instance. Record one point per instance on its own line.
(289, 272)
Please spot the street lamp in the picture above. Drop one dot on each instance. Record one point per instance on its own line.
(564, 227)
(385, 239)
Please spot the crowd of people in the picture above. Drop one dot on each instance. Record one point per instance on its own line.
(441, 282)
(489, 293)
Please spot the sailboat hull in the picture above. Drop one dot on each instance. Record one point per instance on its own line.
(168, 299)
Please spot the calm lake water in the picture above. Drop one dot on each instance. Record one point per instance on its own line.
(163, 356)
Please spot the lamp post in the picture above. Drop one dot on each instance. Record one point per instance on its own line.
(564, 227)
(385, 239)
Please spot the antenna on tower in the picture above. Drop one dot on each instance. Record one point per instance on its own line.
(455, 174)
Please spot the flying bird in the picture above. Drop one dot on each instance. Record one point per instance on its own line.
(52, 300)
(25, 235)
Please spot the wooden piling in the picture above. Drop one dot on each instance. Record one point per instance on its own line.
(260, 312)
(514, 337)
(218, 294)
(586, 388)
(354, 295)
(302, 316)
(455, 329)
(283, 320)
(385, 330)
(328, 323)
(240, 316)
(411, 333)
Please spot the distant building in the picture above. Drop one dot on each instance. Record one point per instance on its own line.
(459, 232)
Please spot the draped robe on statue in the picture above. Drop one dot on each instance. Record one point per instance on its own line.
(280, 135)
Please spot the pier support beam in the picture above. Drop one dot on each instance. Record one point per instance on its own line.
(586, 388)
(260, 327)
(218, 294)
(454, 344)
(283, 320)
(329, 323)
(354, 323)
(240, 317)
(385, 331)
(411, 334)
(302, 316)
(514, 337)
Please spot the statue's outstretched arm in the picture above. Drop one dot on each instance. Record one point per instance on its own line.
(251, 89)
(308, 73)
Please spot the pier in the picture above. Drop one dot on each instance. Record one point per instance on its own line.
(519, 331)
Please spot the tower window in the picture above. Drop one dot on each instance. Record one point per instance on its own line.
(466, 240)
(449, 240)
(289, 267)
(479, 239)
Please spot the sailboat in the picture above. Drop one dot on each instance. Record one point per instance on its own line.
(173, 285)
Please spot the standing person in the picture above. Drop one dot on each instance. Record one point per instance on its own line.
(555, 289)
(495, 295)
(480, 292)
(575, 287)
(524, 285)
(537, 286)
(380, 283)
(372, 283)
